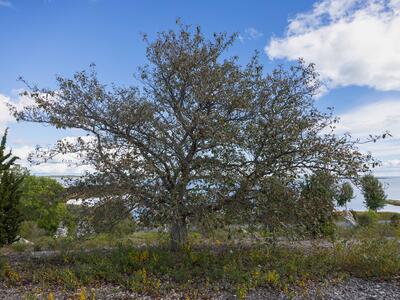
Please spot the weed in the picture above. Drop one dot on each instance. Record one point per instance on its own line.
(272, 277)
(241, 291)
(155, 270)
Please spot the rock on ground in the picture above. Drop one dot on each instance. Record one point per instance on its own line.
(350, 289)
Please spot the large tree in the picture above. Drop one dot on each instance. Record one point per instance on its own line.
(199, 134)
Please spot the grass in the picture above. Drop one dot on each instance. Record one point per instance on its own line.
(99, 241)
(224, 261)
(393, 202)
(382, 215)
(155, 270)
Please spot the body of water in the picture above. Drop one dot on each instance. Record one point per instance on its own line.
(391, 185)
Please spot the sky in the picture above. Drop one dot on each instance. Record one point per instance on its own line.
(355, 45)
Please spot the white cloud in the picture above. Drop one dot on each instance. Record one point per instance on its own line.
(373, 118)
(250, 34)
(5, 3)
(253, 33)
(376, 118)
(352, 42)
(60, 165)
(67, 164)
(5, 117)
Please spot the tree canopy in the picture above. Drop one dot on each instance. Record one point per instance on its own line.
(374, 194)
(200, 133)
(345, 194)
(42, 201)
(10, 194)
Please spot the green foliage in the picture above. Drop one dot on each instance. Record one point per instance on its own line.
(368, 219)
(30, 230)
(155, 270)
(345, 194)
(374, 195)
(8, 274)
(378, 258)
(3, 266)
(301, 207)
(199, 133)
(125, 227)
(105, 216)
(275, 206)
(42, 202)
(365, 232)
(382, 215)
(317, 203)
(10, 195)
(20, 247)
(395, 220)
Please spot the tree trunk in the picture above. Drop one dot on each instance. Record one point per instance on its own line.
(179, 234)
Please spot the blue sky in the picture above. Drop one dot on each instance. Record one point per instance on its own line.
(355, 45)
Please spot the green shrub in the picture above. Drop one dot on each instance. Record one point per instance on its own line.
(377, 258)
(395, 220)
(10, 195)
(368, 219)
(3, 265)
(125, 227)
(345, 194)
(30, 230)
(45, 243)
(318, 193)
(42, 202)
(239, 269)
(374, 195)
(20, 247)
(8, 274)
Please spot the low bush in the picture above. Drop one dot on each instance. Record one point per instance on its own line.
(377, 258)
(395, 220)
(8, 274)
(20, 247)
(125, 227)
(368, 219)
(3, 263)
(30, 230)
(154, 270)
(368, 232)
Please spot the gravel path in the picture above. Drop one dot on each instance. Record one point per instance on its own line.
(361, 289)
(351, 289)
